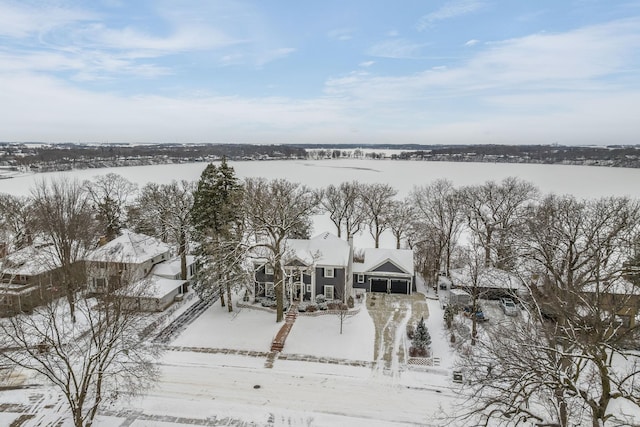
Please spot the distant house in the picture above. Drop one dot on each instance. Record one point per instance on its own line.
(140, 269)
(385, 270)
(324, 265)
(319, 265)
(28, 279)
(489, 282)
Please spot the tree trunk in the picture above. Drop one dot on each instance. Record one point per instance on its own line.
(279, 290)
(230, 303)
(221, 293)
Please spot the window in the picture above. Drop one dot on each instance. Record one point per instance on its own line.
(328, 292)
(328, 272)
(102, 264)
(100, 283)
(360, 278)
(269, 290)
(268, 269)
(308, 288)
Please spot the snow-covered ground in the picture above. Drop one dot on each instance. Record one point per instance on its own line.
(324, 378)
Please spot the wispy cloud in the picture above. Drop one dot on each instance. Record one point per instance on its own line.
(472, 42)
(367, 64)
(341, 34)
(450, 9)
(396, 48)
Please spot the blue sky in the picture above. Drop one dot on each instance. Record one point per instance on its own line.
(431, 72)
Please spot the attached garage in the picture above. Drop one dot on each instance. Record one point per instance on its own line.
(379, 285)
(400, 287)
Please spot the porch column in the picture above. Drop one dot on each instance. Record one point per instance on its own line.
(291, 287)
(313, 283)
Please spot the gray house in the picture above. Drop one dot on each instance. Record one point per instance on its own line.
(385, 270)
(320, 265)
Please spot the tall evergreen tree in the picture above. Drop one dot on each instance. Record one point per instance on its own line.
(217, 219)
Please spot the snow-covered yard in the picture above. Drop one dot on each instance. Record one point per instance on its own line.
(207, 380)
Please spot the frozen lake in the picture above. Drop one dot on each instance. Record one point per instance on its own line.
(581, 181)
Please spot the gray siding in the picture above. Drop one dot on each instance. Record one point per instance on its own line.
(389, 267)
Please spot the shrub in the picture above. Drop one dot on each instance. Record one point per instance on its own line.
(421, 339)
(302, 308)
(322, 306)
(410, 331)
(350, 301)
(320, 298)
(334, 305)
(312, 308)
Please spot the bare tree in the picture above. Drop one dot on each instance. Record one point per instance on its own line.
(274, 211)
(494, 214)
(342, 204)
(438, 221)
(16, 221)
(376, 202)
(401, 218)
(109, 196)
(63, 215)
(92, 361)
(568, 358)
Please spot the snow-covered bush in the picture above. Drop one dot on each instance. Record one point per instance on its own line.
(320, 298)
(312, 308)
(323, 306)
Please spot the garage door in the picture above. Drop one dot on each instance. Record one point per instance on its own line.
(379, 285)
(399, 286)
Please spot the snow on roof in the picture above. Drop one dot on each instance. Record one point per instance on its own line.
(618, 286)
(375, 257)
(130, 247)
(323, 249)
(171, 267)
(489, 277)
(152, 287)
(31, 261)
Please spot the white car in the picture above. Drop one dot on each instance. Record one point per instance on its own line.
(508, 307)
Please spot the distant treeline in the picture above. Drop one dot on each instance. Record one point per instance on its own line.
(47, 157)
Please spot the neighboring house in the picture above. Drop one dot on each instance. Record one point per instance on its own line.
(385, 270)
(488, 282)
(125, 259)
(28, 279)
(145, 265)
(619, 296)
(320, 265)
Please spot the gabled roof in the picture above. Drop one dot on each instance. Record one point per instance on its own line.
(323, 249)
(31, 261)
(376, 257)
(618, 286)
(132, 248)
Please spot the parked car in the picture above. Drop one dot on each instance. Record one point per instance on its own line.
(508, 307)
(480, 317)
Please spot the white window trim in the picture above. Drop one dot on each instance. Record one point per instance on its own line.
(268, 270)
(327, 270)
(333, 291)
(308, 287)
(360, 278)
(267, 286)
